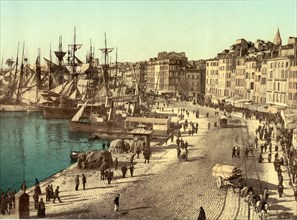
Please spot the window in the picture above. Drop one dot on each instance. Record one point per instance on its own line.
(282, 75)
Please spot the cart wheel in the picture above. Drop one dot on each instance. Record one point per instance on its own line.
(219, 182)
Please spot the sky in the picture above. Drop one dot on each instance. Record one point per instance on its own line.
(141, 29)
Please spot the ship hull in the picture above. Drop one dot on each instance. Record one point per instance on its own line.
(20, 108)
(106, 132)
(50, 112)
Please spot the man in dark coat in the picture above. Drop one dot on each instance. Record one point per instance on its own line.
(131, 168)
(47, 193)
(116, 162)
(41, 209)
(84, 181)
(233, 152)
(76, 182)
(201, 214)
(56, 195)
(109, 176)
(124, 170)
(116, 202)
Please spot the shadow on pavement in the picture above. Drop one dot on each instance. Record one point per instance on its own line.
(255, 183)
(236, 126)
(100, 187)
(59, 214)
(136, 208)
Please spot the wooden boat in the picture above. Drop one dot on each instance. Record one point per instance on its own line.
(74, 155)
(52, 112)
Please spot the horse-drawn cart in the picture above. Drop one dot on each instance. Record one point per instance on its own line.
(228, 176)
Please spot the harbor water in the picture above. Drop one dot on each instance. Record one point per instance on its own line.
(32, 147)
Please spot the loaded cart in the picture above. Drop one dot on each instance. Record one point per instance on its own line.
(227, 175)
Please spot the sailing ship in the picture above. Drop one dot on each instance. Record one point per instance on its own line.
(109, 116)
(63, 101)
(20, 86)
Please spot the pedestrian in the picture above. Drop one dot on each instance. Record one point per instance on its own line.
(178, 152)
(116, 202)
(2, 204)
(116, 163)
(147, 155)
(138, 152)
(37, 189)
(103, 146)
(56, 195)
(260, 159)
(24, 186)
(177, 141)
(201, 215)
(246, 152)
(41, 209)
(208, 125)
(76, 182)
(238, 152)
(36, 198)
(132, 157)
(51, 192)
(36, 181)
(47, 193)
(233, 152)
(186, 145)
(102, 173)
(109, 176)
(84, 181)
(280, 190)
(266, 194)
(131, 168)
(280, 179)
(124, 170)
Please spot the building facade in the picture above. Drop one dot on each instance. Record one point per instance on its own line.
(163, 73)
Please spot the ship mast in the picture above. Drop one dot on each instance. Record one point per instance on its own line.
(106, 51)
(116, 70)
(60, 55)
(50, 70)
(73, 48)
(21, 76)
(12, 81)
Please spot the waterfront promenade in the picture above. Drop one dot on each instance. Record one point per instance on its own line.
(166, 188)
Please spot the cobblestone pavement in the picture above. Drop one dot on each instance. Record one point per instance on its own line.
(167, 188)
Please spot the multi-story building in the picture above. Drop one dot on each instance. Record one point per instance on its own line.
(193, 84)
(212, 79)
(163, 73)
(263, 72)
(277, 80)
(292, 90)
(250, 74)
(225, 70)
(240, 77)
(291, 51)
